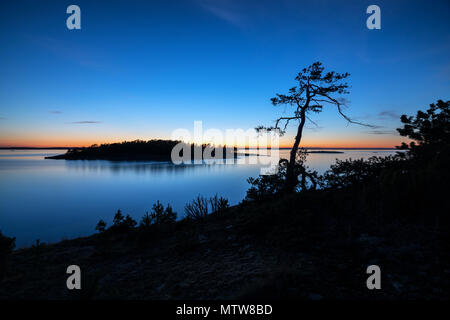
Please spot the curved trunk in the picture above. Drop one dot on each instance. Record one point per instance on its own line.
(291, 177)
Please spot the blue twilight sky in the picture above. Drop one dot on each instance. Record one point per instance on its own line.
(141, 69)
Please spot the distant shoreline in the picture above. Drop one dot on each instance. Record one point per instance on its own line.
(315, 148)
(39, 148)
(324, 151)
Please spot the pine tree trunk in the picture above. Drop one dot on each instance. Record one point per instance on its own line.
(291, 176)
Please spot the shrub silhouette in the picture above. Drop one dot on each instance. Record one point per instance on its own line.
(158, 216)
(169, 216)
(429, 130)
(122, 223)
(267, 186)
(101, 225)
(218, 204)
(350, 172)
(200, 206)
(129, 222)
(197, 209)
(7, 245)
(146, 221)
(118, 218)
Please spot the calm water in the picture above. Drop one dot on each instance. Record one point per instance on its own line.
(52, 200)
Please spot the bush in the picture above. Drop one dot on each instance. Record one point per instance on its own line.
(146, 221)
(218, 204)
(267, 186)
(7, 244)
(121, 223)
(200, 207)
(101, 225)
(6, 247)
(429, 130)
(345, 173)
(118, 218)
(197, 209)
(158, 216)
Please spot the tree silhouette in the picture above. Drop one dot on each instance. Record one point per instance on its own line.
(101, 226)
(429, 130)
(315, 89)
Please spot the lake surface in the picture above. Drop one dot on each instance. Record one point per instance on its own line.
(53, 200)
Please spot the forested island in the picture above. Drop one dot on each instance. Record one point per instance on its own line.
(151, 150)
(154, 150)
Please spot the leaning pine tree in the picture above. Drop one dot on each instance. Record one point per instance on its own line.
(315, 89)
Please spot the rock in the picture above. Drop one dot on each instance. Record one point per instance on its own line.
(364, 237)
(202, 238)
(315, 296)
(160, 287)
(396, 285)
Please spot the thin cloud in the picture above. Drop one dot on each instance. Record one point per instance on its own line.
(226, 10)
(68, 51)
(444, 72)
(2, 118)
(85, 122)
(388, 114)
(55, 112)
(383, 115)
(381, 132)
(314, 128)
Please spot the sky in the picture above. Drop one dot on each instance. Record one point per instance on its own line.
(142, 69)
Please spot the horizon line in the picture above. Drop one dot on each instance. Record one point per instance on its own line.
(280, 148)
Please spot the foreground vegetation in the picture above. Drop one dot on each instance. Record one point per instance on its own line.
(315, 243)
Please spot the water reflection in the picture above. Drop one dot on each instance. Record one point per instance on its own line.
(51, 199)
(139, 167)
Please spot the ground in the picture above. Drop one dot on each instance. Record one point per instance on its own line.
(274, 249)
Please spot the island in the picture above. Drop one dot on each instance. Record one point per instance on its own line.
(324, 151)
(153, 150)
